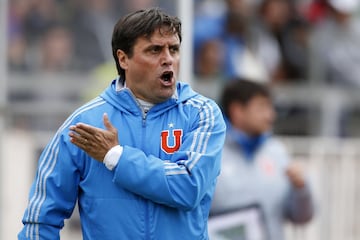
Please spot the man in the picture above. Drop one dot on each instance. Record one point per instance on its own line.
(142, 158)
(257, 177)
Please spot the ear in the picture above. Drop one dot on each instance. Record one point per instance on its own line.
(122, 58)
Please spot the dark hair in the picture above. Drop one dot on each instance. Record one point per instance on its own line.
(141, 23)
(241, 91)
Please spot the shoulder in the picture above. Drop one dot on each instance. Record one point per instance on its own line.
(204, 106)
(204, 113)
(275, 144)
(188, 91)
(86, 113)
(189, 97)
(89, 109)
(276, 148)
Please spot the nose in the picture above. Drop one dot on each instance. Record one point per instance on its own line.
(167, 58)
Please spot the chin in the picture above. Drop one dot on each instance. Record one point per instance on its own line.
(163, 98)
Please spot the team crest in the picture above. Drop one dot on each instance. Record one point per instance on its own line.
(176, 135)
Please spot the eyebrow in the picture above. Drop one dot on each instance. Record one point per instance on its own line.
(151, 45)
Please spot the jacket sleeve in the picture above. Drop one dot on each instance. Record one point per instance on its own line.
(190, 174)
(53, 193)
(300, 205)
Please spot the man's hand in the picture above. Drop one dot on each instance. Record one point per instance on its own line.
(94, 141)
(295, 173)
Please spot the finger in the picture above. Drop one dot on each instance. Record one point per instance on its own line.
(88, 131)
(77, 139)
(88, 128)
(81, 132)
(78, 143)
(107, 123)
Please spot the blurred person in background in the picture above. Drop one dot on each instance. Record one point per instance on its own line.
(129, 6)
(335, 49)
(91, 28)
(126, 6)
(315, 10)
(209, 69)
(335, 59)
(232, 26)
(30, 22)
(56, 50)
(17, 54)
(282, 40)
(152, 174)
(41, 16)
(256, 167)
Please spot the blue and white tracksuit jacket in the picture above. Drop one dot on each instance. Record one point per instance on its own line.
(162, 186)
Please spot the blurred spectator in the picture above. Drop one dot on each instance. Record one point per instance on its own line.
(92, 28)
(87, 21)
(16, 54)
(335, 49)
(56, 50)
(29, 22)
(281, 42)
(264, 40)
(125, 6)
(232, 27)
(41, 16)
(257, 170)
(18, 10)
(129, 6)
(335, 56)
(209, 69)
(315, 11)
(17, 43)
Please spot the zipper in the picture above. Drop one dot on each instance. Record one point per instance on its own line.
(144, 114)
(142, 110)
(143, 137)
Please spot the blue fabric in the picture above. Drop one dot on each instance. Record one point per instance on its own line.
(153, 192)
(234, 47)
(213, 27)
(207, 28)
(248, 144)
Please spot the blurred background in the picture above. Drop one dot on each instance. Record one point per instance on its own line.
(56, 55)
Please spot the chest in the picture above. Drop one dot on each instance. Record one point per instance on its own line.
(253, 181)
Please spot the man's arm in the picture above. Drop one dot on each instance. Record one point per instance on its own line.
(191, 172)
(300, 206)
(53, 193)
(180, 182)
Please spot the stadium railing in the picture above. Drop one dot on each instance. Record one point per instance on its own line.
(333, 165)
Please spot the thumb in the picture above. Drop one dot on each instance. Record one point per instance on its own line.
(107, 123)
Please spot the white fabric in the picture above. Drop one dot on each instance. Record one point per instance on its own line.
(112, 157)
(345, 6)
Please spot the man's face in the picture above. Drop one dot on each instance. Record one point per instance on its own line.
(152, 70)
(256, 117)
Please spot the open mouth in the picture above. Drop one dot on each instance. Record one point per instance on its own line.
(167, 76)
